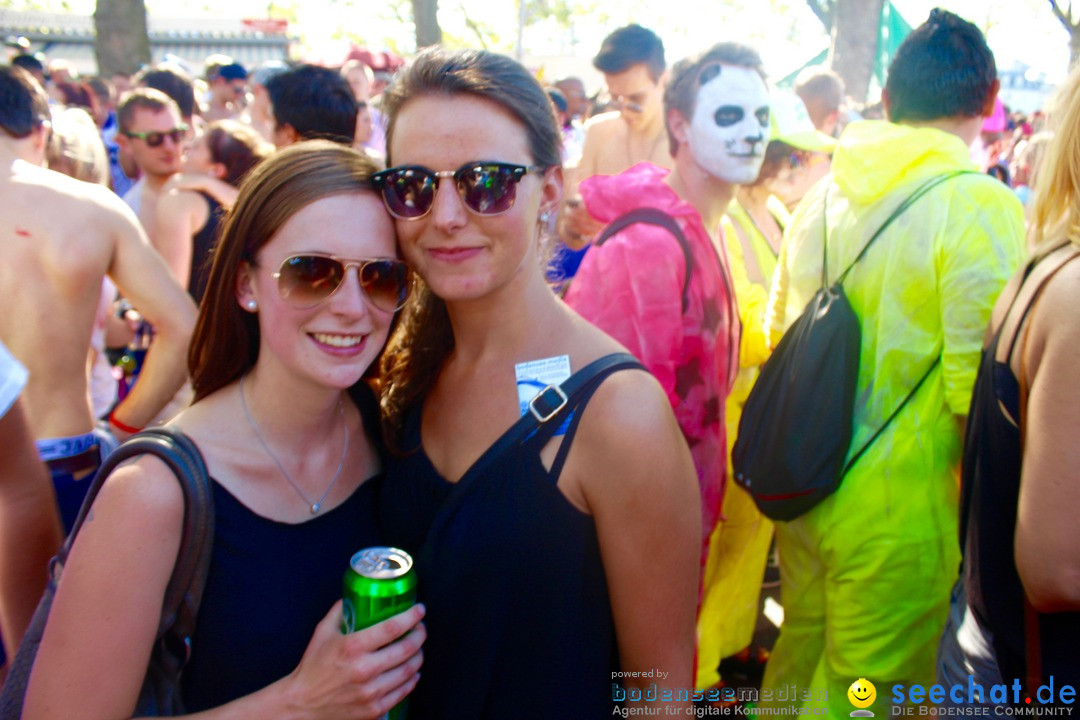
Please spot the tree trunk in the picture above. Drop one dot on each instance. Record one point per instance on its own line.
(855, 44)
(123, 43)
(426, 18)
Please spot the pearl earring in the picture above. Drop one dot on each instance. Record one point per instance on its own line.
(252, 305)
(545, 217)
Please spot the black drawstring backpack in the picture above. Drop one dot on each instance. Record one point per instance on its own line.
(796, 427)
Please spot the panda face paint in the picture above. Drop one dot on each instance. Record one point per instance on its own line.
(730, 127)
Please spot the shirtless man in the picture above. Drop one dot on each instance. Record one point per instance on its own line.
(632, 60)
(152, 134)
(61, 237)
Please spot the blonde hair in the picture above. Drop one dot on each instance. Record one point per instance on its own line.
(1056, 209)
(75, 147)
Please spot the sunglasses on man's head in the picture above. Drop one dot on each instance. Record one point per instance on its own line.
(306, 280)
(486, 188)
(155, 139)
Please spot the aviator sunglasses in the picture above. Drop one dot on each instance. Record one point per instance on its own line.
(306, 280)
(486, 188)
(154, 139)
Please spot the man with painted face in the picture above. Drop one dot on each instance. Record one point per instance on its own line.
(632, 61)
(632, 286)
(866, 573)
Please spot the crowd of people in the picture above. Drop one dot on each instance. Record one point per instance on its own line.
(639, 255)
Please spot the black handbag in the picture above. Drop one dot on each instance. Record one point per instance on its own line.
(160, 693)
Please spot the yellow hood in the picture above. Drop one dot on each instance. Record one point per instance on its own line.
(873, 157)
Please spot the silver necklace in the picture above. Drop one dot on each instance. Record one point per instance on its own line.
(317, 505)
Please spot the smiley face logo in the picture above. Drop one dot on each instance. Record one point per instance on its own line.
(862, 693)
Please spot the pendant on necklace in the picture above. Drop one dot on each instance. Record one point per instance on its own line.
(315, 508)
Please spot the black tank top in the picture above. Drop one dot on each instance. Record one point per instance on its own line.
(991, 490)
(518, 616)
(202, 247)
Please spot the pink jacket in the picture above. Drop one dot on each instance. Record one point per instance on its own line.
(631, 288)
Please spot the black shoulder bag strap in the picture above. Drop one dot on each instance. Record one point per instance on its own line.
(175, 449)
(549, 405)
(654, 216)
(900, 210)
(160, 693)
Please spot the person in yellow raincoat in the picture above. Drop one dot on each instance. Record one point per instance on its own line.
(866, 574)
(739, 545)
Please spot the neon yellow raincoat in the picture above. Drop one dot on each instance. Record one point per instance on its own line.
(764, 255)
(739, 545)
(866, 574)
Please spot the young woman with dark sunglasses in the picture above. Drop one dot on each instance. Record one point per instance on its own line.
(289, 433)
(569, 562)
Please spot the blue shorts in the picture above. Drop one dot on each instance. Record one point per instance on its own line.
(73, 463)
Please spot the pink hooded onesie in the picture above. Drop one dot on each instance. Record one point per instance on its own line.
(631, 287)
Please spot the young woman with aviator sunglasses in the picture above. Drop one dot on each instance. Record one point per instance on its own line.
(572, 555)
(302, 293)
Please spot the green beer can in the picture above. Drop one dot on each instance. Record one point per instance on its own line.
(379, 583)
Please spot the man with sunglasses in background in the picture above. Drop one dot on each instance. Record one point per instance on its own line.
(632, 61)
(61, 237)
(153, 135)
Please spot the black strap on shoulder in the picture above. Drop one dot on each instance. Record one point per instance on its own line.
(175, 449)
(908, 202)
(654, 216)
(549, 406)
(1034, 296)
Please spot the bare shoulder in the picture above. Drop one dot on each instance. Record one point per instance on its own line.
(82, 202)
(629, 401)
(1055, 318)
(629, 434)
(625, 397)
(604, 120)
(61, 185)
(144, 494)
(603, 123)
(178, 198)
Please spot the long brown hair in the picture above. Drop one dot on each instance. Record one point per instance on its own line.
(226, 340)
(424, 337)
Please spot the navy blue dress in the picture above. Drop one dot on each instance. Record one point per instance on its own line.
(518, 615)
